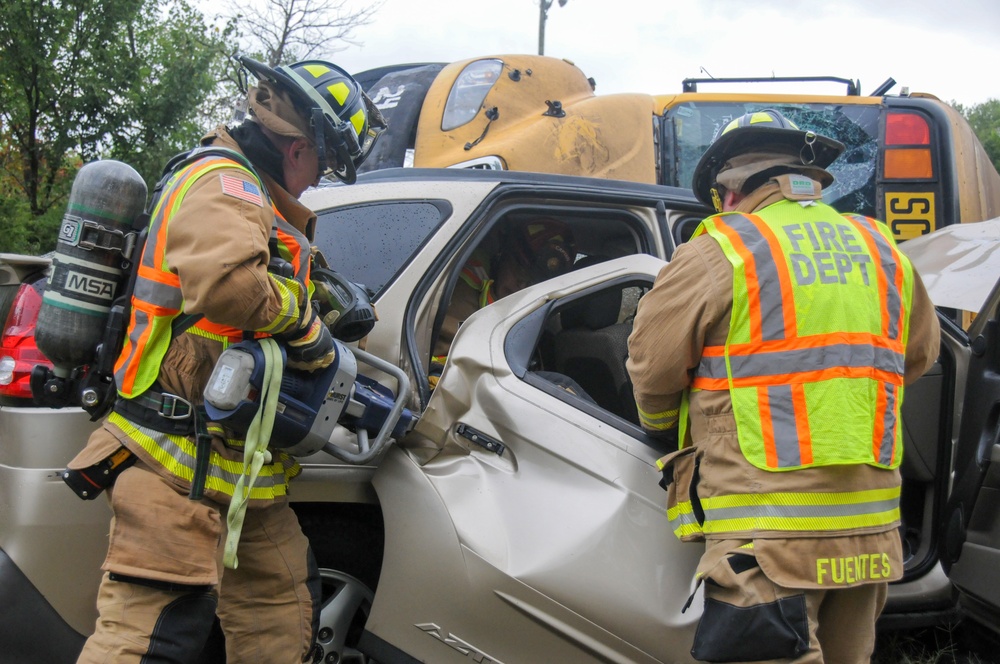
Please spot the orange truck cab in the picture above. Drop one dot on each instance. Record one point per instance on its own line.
(911, 159)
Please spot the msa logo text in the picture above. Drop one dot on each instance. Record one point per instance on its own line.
(88, 285)
(386, 98)
(471, 652)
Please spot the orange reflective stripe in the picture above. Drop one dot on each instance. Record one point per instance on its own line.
(133, 367)
(809, 342)
(221, 330)
(840, 354)
(895, 324)
(232, 333)
(160, 276)
(160, 242)
(879, 429)
(704, 383)
(292, 245)
(753, 285)
(890, 437)
(127, 349)
(784, 279)
(802, 425)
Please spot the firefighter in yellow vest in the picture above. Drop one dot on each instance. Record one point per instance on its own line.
(530, 252)
(775, 347)
(229, 244)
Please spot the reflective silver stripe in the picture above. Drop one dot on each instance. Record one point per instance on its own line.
(771, 302)
(889, 432)
(797, 511)
(178, 454)
(807, 359)
(682, 518)
(893, 297)
(161, 295)
(157, 220)
(781, 410)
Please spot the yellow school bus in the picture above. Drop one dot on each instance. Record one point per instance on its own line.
(911, 159)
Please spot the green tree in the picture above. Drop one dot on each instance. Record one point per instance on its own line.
(88, 79)
(985, 121)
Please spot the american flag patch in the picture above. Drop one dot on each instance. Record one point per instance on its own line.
(247, 191)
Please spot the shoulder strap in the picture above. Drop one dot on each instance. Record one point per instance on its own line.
(179, 161)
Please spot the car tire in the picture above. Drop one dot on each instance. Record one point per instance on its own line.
(347, 540)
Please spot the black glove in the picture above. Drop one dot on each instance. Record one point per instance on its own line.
(310, 346)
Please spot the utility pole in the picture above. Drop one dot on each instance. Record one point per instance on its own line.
(543, 11)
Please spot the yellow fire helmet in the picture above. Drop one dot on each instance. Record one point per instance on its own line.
(766, 131)
(344, 121)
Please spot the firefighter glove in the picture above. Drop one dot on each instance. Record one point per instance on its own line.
(309, 347)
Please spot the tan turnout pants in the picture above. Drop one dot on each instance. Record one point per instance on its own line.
(163, 577)
(749, 618)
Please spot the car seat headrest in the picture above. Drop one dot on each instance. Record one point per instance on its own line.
(594, 312)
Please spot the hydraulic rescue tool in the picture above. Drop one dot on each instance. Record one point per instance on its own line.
(311, 405)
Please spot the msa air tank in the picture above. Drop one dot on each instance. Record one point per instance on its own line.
(88, 268)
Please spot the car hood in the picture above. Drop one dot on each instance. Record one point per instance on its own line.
(959, 264)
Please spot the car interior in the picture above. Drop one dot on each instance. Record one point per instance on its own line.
(583, 346)
(587, 341)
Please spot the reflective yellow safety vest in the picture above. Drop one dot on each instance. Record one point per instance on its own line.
(157, 300)
(814, 358)
(813, 361)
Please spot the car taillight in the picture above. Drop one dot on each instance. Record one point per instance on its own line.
(18, 352)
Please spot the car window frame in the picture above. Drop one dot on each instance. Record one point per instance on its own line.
(521, 343)
(476, 232)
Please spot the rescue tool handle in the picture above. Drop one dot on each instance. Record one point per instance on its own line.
(369, 450)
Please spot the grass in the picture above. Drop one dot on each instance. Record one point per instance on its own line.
(949, 644)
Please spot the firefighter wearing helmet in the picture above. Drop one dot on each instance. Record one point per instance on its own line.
(772, 353)
(228, 251)
(527, 252)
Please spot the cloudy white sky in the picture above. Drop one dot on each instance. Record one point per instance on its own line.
(950, 48)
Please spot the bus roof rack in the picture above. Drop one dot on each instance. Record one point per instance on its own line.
(853, 87)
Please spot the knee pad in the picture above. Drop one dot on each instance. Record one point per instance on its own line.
(184, 623)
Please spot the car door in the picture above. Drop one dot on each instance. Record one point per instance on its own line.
(971, 542)
(524, 522)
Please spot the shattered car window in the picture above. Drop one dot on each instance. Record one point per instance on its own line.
(695, 124)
